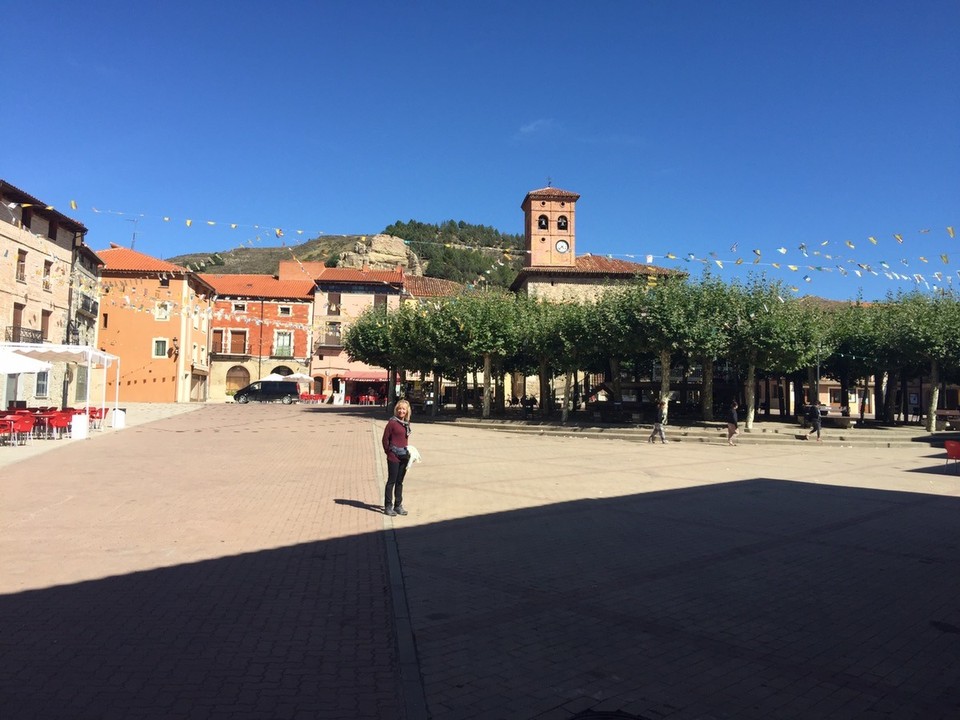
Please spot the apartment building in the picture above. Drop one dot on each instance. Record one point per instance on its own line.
(48, 294)
(155, 316)
(260, 325)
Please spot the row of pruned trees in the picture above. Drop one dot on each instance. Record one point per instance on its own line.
(756, 327)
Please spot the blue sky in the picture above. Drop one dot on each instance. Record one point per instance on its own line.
(689, 128)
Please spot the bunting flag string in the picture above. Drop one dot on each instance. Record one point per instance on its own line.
(837, 263)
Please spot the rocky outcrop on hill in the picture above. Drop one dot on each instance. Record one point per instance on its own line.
(381, 252)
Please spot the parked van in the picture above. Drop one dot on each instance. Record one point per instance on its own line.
(268, 391)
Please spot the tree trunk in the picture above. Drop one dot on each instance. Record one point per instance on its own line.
(544, 388)
(665, 381)
(890, 397)
(567, 386)
(904, 405)
(437, 393)
(749, 392)
(706, 397)
(486, 385)
(879, 381)
(931, 422)
(615, 380)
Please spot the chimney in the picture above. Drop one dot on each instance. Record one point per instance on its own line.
(365, 267)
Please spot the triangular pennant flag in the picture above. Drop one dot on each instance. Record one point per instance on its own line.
(899, 238)
(872, 239)
(73, 204)
(189, 223)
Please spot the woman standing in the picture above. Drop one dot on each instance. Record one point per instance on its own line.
(395, 442)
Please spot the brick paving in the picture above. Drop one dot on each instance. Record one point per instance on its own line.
(229, 563)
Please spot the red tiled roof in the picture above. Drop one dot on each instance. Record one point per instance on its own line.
(354, 275)
(551, 193)
(121, 259)
(431, 287)
(293, 270)
(595, 266)
(265, 286)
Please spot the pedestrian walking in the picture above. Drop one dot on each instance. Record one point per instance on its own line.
(659, 423)
(813, 415)
(732, 426)
(395, 445)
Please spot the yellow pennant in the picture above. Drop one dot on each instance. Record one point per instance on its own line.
(793, 267)
(233, 226)
(946, 260)
(899, 238)
(776, 265)
(278, 232)
(73, 204)
(872, 239)
(189, 223)
(849, 244)
(950, 230)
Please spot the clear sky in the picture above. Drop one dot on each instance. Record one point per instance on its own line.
(688, 127)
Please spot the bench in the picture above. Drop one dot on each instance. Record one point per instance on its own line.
(948, 419)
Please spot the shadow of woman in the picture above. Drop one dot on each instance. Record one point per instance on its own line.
(358, 504)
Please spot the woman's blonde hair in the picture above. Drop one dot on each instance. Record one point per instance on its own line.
(405, 404)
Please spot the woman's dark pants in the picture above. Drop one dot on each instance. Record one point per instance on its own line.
(393, 495)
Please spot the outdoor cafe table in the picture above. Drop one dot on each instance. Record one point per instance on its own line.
(43, 420)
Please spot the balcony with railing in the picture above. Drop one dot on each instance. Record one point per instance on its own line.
(88, 306)
(329, 341)
(15, 333)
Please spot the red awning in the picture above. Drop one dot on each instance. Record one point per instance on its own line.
(367, 376)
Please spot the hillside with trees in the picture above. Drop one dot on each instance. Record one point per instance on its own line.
(463, 252)
(451, 250)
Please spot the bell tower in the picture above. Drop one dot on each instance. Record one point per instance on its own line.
(549, 227)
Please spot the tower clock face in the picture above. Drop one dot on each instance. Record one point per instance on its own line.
(562, 246)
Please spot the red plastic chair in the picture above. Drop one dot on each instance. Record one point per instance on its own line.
(22, 428)
(953, 452)
(96, 417)
(60, 423)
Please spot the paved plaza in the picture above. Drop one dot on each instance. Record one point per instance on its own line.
(232, 562)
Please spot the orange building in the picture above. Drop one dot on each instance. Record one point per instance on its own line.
(155, 316)
(261, 325)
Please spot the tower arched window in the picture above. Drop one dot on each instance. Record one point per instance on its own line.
(543, 223)
(562, 222)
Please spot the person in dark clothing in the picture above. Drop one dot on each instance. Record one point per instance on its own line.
(659, 423)
(395, 443)
(732, 427)
(813, 415)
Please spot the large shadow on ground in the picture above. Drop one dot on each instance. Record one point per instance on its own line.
(757, 599)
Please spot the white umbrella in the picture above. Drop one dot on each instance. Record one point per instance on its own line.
(275, 376)
(299, 377)
(12, 363)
